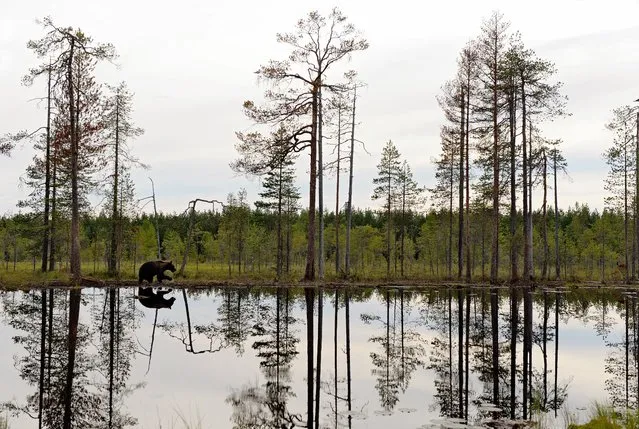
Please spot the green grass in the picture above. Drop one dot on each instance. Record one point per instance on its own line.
(604, 416)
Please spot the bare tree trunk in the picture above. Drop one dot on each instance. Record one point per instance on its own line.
(47, 180)
(494, 263)
(460, 233)
(349, 215)
(467, 177)
(514, 274)
(544, 227)
(524, 173)
(403, 231)
(52, 228)
(320, 184)
(388, 224)
(309, 273)
(157, 225)
(557, 261)
(637, 186)
(531, 263)
(337, 173)
(279, 224)
(114, 215)
(450, 220)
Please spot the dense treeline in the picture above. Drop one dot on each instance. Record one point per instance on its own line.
(239, 241)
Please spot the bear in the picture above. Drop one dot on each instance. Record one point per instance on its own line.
(151, 299)
(155, 268)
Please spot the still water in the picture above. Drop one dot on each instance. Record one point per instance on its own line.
(267, 358)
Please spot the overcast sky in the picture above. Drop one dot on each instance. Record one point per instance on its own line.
(191, 65)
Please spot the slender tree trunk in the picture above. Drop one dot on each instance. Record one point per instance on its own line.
(557, 261)
(625, 208)
(524, 173)
(531, 263)
(462, 156)
(514, 271)
(450, 219)
(279, 223)
(494, 263)
(337, 174)
(47, 180)
(467, 177)
(116, 173)
(403, 231)
(309, 273)
(637, 187)
(349, 215)
(52, 227)
(320, 184)
(388, 223)
(157, 225)
(544, 208)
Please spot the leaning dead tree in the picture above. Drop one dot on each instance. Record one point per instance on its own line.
(191, 213)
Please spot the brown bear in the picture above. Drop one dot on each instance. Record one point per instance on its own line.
(151, 299)
(155, 268)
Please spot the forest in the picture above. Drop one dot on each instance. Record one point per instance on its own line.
(477, 222)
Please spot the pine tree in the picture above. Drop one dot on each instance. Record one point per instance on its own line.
(388, 172)
(279, 192)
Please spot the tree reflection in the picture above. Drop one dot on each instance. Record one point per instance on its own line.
(402, 351)
(275, 344)
(62, 364)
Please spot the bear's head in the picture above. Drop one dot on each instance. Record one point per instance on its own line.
(169, 266)
(169, 302)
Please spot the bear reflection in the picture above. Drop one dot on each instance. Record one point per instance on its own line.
(151, 299)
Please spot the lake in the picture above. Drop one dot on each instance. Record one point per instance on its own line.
(277, 358)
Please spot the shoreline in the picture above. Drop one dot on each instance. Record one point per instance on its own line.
(412, 284)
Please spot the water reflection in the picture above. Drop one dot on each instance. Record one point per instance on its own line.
(308, 357)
